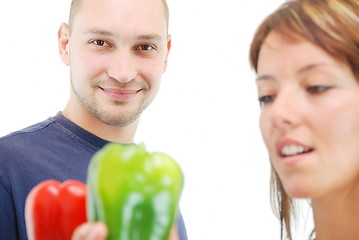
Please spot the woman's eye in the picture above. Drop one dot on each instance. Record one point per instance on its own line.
(266, 99)
(317, 89)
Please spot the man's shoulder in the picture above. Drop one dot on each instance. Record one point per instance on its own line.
(16, 145)
(27, 131)
(40, 149)
(26, 137)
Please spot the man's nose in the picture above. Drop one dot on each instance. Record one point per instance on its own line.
(122, 66)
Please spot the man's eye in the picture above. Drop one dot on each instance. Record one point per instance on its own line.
(317, 89)
(266, 99)
(100, 43)
(146, 47)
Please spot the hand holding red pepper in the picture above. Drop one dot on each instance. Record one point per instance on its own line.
(53, 210)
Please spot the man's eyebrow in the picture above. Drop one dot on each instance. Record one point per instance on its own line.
(145, 37)
(95, 31)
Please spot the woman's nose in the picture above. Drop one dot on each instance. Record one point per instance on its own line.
(286, 109)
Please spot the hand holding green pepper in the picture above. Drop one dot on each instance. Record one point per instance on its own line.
(133, 192)
(98, 231)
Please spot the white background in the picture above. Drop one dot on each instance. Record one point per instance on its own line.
(205, 115)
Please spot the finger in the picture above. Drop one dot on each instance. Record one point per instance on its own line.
(174, 234)
(98, 232)
(90, 231)
(81, 232)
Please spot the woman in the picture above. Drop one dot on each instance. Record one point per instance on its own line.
(306, 56)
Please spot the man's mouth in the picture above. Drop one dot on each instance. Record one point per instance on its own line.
(120, 94)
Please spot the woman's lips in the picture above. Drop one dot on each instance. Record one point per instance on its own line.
(292, 159)
(291, 151)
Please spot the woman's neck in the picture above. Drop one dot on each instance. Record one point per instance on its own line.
(337, 216)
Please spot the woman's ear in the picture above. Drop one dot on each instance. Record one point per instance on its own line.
(63, 41)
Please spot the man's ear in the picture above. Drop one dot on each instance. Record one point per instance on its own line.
(63, 41)
(169, 44)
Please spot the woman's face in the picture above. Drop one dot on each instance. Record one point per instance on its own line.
(309, 117)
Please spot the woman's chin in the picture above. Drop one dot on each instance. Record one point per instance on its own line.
(299, 191)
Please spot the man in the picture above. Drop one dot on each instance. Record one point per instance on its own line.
(117, 51)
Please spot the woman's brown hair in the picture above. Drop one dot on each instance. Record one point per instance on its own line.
(332, 25)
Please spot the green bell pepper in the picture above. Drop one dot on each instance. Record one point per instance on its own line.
(135, 193)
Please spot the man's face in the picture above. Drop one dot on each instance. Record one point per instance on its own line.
(117, 52)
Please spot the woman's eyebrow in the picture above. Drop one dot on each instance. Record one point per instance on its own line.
(265, 77)
(311, 67)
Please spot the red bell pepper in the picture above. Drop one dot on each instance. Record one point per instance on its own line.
(53, 209)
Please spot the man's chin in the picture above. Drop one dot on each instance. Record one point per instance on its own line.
(118, 120)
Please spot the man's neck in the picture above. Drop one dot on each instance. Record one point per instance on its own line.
(87, 121)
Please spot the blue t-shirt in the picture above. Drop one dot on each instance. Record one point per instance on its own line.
(53, 149)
